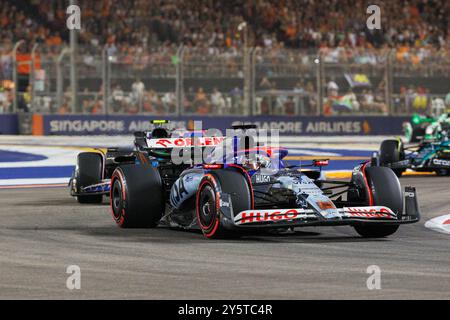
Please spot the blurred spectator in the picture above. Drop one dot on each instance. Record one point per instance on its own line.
(201, 102)
(123, 24)
(142, 38)
(118, 99)
(369, 104)
(138, 89)
(218, 102)
(169, 102)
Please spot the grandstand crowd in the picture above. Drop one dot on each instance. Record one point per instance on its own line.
(148, 32)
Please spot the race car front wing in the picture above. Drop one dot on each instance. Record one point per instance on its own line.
(309, 217)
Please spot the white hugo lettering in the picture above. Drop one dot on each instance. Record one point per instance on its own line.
(264, 216)
(369, 212)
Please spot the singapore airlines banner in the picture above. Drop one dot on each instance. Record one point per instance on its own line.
(288, 125)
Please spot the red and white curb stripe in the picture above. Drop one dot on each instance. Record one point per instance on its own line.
(439, 224)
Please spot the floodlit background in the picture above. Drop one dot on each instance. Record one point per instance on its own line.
(178, 57)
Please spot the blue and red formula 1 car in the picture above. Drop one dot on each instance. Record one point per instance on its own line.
(232, 193)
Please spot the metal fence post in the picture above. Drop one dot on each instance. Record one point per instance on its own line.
(33, 77)
(73, 39)
(388, 82)
(15, 75)
(247, 69)
(105, 75)
(108, 80)
(247, 81)
(320, 73)
(60, 78)
(254, 52)
(179, 81)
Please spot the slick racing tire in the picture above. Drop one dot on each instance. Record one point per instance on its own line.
(391, 151)
(137, 196)
(208, 200)
(385, 191)
(90, 172)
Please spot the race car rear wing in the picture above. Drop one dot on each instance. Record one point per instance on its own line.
(170, 143)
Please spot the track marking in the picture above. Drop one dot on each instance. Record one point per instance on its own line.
(31, 186)
(32, 182)
(440, 224)
(328, 157)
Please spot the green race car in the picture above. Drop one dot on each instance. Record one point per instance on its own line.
(429, 155)
(424, 127)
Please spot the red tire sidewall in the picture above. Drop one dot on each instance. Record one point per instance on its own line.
(118, 175)
(211, 230)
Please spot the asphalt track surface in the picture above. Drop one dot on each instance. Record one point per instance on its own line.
(43, 231)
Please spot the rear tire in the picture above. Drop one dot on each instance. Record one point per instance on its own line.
(137, 196)
(90, 172)
(391, 151)
(208, 201)
(386, 192)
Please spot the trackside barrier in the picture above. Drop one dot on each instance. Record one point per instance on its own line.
(287, 125)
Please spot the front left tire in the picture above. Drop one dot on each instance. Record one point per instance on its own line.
(208, 200)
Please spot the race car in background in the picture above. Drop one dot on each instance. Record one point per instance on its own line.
(91, 179)
(250, 188)
(424, 127)
(433, 155)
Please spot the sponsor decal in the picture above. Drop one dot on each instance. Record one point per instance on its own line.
(253, 216)
(184, 142)
(277, 215)
(259, 178)
(117, 124)
(369, 212)
(178, 192)
(410, 194)
(325, 205)
(88, 126)
(441, 162)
